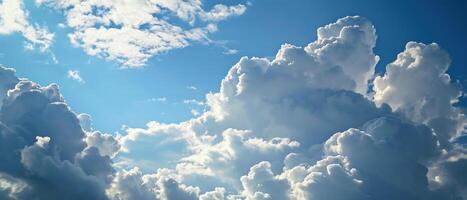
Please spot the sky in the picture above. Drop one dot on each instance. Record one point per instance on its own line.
(303, 99)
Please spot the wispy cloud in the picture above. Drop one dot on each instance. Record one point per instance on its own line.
(191, 87)
(158, 99)
(75, 75)
(193, 102)
(230, 51)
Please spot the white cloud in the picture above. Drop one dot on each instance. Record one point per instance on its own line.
(230, 51)
(217, 194)
(158, 99)
(307, 94)
(193, 101)
(226, 157)
(309, 84)
(130, 32)
(107, 144)
(75, 75)
(12, 188)
(163, 185)
(61, 25)
(14, 19)
(416, 85)
(191, 87)
(85, 120)
(260, 183)
(194, 112)
(221, 12)
(329, 178)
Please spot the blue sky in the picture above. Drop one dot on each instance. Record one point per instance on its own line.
(116, 97)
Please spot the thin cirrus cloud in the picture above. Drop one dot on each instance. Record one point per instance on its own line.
(306, 124)
(130, 32)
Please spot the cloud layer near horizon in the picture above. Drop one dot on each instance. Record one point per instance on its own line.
(313, 123)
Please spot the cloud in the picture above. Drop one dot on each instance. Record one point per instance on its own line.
(304, 125)
(132, 184)
(327, 131)
(85, 120)
(12, 188)
(226, 157)
(260, 183)
(132, 32)
(194, 112)
(217, 194)
(8, 81)
(230, 51)
(326, 70)
(106, 144)
(159, 99)
(75, 75)
(193, 102)
(416, 85)
(191, 87)
(329, 178)
(42, 145)
(13, 19)
(221, 12)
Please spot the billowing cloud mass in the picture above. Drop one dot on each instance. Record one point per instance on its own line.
(314, 122)
(14, 19)
(130, 32)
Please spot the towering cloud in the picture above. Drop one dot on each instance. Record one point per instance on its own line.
(417, 86)
(304, 125)
(349, 142)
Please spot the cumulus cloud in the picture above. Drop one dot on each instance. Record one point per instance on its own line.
(164, 185)
(107, 144)
(130, 32)
(304, 125)
(416, 85)
(226, 158)
(260, 183)
(329, 133)
(14, 19)
(43, 148)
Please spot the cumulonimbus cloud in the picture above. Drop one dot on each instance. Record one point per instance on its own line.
(304, 125)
